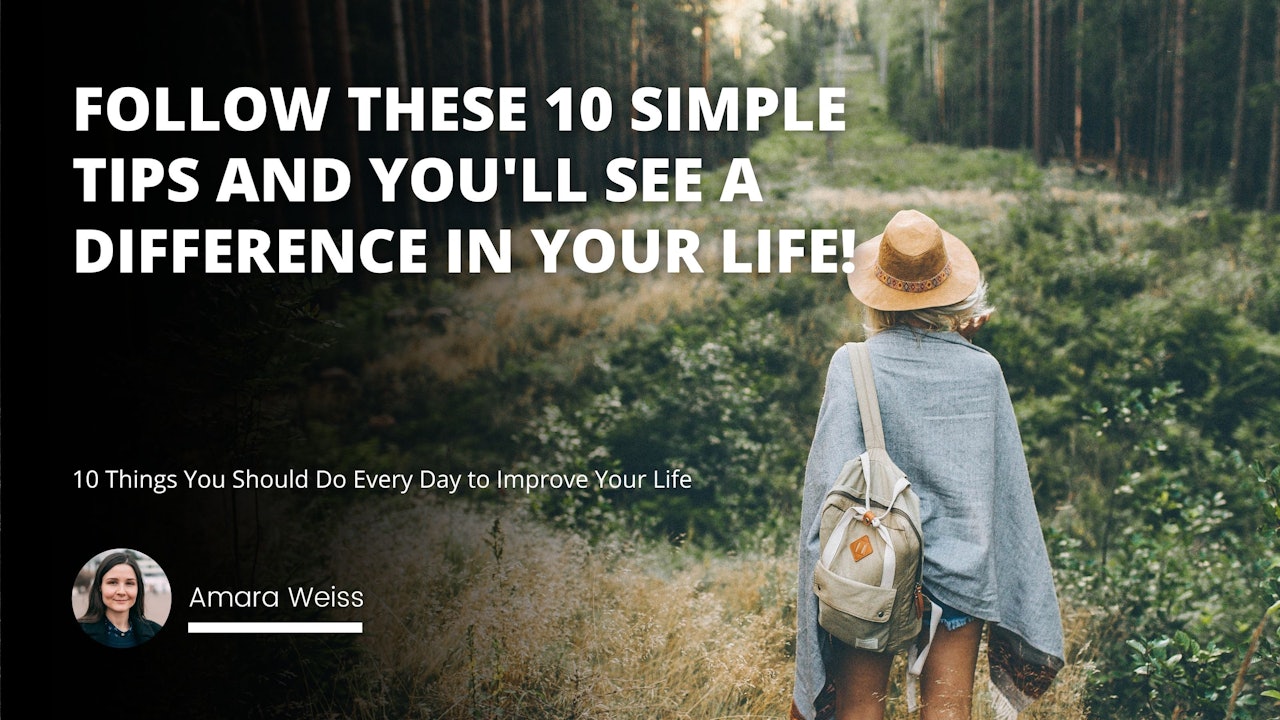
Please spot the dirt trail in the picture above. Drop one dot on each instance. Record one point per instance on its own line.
(492, 316)
(992, 205)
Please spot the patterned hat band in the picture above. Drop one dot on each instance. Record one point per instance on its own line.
(913, 286)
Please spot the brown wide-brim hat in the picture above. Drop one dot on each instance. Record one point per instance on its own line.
(913, 264)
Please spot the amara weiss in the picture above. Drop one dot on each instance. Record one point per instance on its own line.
(297, 596)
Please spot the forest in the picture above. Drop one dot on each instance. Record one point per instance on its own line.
(1172, 97)
(1115, 166)
(1177, 96)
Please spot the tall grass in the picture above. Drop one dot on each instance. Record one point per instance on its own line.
(494, 615)
(487, 613)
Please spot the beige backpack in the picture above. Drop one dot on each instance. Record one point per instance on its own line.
(868, 576)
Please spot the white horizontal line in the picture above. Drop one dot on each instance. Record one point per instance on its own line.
(274, 628)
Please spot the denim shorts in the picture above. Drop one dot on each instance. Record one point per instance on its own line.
(952, 619)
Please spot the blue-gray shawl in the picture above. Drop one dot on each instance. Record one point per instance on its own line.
(949, 424)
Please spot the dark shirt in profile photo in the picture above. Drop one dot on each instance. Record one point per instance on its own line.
(116, 615)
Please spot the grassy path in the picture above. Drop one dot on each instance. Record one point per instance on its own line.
(517, 620)
(874, 170)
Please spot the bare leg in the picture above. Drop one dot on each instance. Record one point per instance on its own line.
(862, 683)
(946, 684)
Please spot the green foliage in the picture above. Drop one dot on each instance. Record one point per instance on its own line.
(1088, 321)
(1142, 387)
(1183, 590)
(711, 395)
(1178, 674)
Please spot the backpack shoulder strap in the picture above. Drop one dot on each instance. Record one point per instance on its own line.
(868, 402)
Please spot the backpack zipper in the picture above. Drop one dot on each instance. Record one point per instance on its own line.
(902, 513)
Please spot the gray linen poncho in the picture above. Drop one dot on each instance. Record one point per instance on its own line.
(949, 424)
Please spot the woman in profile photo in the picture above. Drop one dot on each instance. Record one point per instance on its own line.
(116, 615)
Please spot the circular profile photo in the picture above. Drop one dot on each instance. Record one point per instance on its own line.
(121, 598)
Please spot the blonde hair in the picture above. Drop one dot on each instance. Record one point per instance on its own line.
(943, 318)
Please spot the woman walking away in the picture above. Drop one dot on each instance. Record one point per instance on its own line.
(949, 425)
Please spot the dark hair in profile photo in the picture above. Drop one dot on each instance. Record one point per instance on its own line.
(116, 615)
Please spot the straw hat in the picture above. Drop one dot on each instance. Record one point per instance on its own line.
(913, 264)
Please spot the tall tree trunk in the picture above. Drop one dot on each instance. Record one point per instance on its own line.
(429, 47)
(1025, 136)
(509, 80)
(682, 142)
(415, 63)
(1048, 85)
(578, 72)
(940, 71)
(257, 23)
(435, 220)
(306, 68)
(1237, 118)
(259, 30)
(633, 70)
(486, 74)
(703, 139)
(991, 72)
(402, 81)
(1179, 95)
(1158, 124)
(464, 46)
(351, 135)
(1273, 164)
(706, 43)
(1120, 101)
(928, 78)
(508, 75)
(538, 84)
(1037, 102)
(1077, 130)
(303, 61)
